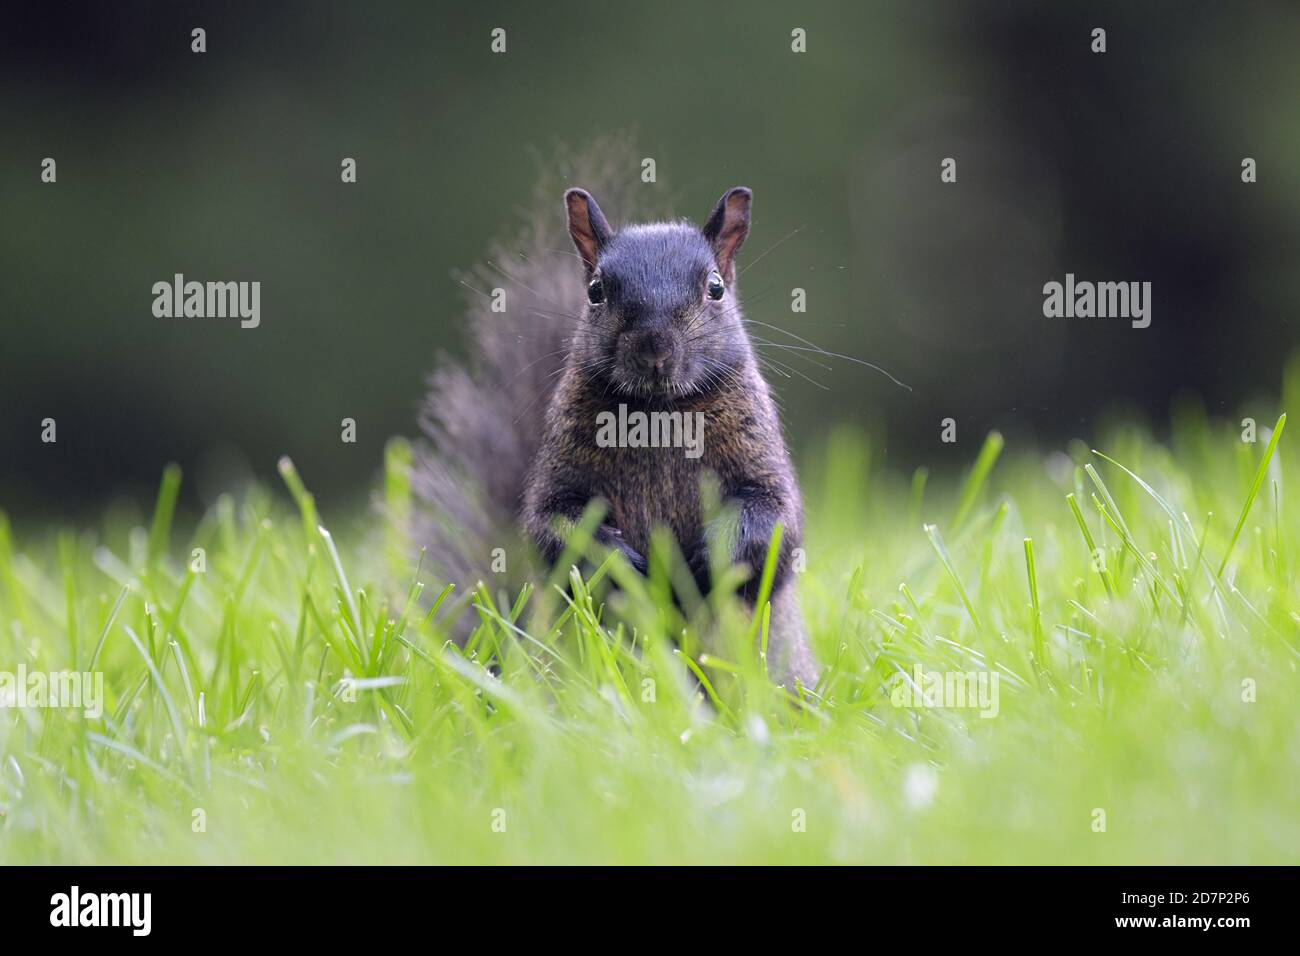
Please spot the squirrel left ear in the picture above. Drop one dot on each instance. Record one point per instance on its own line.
(587, 226)
(727, 228)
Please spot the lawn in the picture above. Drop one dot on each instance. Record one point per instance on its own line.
(285, 695)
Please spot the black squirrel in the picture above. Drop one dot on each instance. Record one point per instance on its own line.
(514, 430)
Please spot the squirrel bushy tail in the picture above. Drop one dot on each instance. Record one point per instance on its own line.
(483, 416)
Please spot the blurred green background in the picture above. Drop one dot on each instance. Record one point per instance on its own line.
(225, 166)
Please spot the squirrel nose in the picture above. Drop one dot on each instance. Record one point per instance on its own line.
(653, 358)
(654, 353)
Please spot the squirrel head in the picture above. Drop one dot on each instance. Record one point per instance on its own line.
(662, 318)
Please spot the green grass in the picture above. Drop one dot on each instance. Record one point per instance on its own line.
(315, 714)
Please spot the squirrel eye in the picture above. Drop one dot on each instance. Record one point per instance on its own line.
(715, 286)
(595, 291)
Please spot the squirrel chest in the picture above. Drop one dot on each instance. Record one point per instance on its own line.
(649, 463)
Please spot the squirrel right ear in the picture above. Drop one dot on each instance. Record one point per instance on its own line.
(727, 228)
(587, 226)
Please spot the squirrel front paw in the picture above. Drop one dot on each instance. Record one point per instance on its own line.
(697, 562)
(612, 538)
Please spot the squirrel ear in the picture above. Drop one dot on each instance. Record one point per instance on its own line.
(587, 226)
(727, 228)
